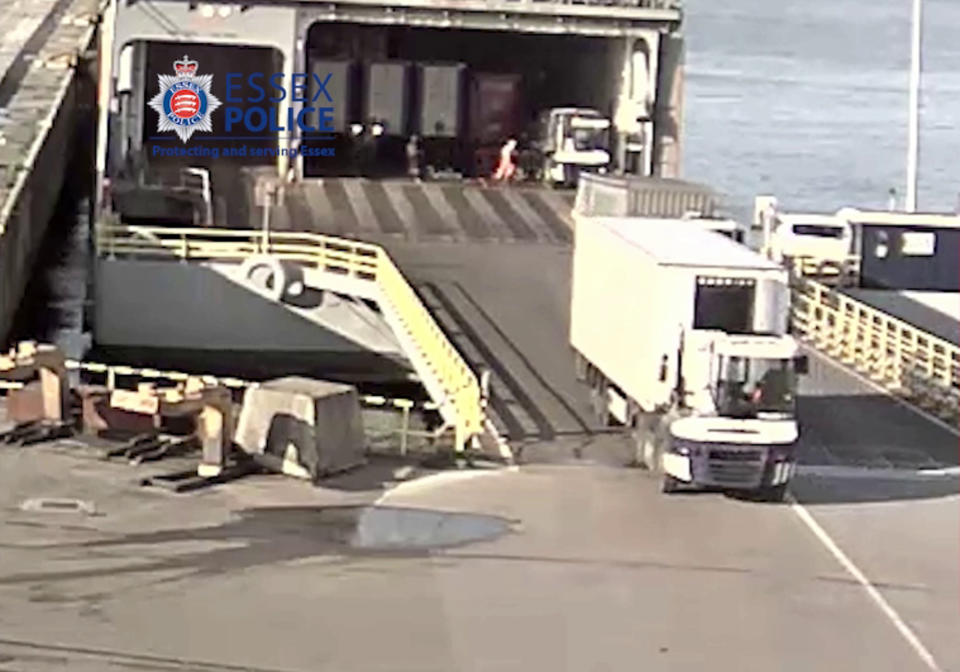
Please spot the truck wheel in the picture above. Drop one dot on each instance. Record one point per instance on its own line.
(773, 493)
(670, 484)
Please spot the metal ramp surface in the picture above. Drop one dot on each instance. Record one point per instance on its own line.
(427, 211)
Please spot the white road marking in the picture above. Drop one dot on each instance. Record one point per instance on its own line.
(836, 471)
(527, 214)
(506, 452)
(436, 480)
(560, 206)
(865, 380)
(362, 210)
(403, 208)
(495, 225)
(918, 647)
(319, 204)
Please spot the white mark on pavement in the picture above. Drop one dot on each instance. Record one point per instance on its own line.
(881, 474)
(436, 480)
(861, 578)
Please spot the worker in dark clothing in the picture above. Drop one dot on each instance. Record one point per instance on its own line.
(414, 156)
(368, 149)
(354, 151)
(773, 389)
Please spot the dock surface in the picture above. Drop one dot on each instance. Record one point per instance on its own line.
(935, 312)
(563, 564)
(571, 561)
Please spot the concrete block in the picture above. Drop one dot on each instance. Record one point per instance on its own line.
(314, 424)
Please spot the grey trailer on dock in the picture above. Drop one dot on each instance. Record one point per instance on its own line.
(388, 96)
(635, 196)
(338, 79)
(442, 94)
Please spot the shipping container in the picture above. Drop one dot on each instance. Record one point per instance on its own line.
(496, 111)
(441, 100)
(340, 84)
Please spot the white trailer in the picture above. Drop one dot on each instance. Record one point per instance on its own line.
(338, 79)
(681, 333)
(825, 238)
(442, 94)
(387, 96)
(730, 228)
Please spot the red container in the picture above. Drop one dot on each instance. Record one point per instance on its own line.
(495, 107)
(99, 416)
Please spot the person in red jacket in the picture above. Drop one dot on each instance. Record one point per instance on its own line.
(506, 168)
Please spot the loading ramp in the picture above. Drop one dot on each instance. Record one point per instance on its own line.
(362, 270)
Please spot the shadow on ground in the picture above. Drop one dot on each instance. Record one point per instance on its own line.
(871, 430)
(873, 488)
(266, 536)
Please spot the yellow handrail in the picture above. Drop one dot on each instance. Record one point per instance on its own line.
(445, 372)
(904, 359)
(460, 386)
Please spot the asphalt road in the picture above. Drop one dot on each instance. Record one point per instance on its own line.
(559, 567)
(571, 562)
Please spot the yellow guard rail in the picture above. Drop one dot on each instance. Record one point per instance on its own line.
(905, 360)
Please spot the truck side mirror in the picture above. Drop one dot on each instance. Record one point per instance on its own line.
(802, 364)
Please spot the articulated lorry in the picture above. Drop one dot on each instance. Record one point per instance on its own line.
(681, 333)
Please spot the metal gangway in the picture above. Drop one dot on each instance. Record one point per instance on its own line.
(364, 270)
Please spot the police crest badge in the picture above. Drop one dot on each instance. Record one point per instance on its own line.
(184, 104)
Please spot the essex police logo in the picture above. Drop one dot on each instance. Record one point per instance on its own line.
(184, 102)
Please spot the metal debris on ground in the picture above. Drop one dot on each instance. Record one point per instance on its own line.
(151, 447)
(209, 404)
(50, 504)
(187, 480)
(37, 431)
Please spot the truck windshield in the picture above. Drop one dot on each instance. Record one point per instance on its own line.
(588, 139)
(755, 388)
(818, 230)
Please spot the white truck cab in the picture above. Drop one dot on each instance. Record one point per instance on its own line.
(574, 139)
(740, 392)
(822, 237)
(682, 335)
